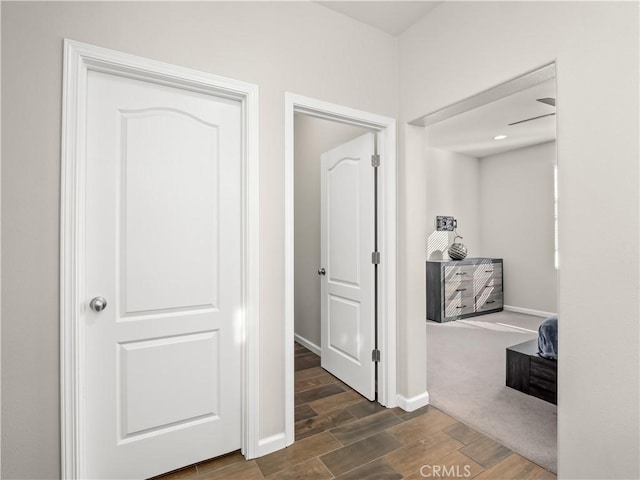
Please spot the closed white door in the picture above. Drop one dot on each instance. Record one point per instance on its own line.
(163, 215)
(347, 285)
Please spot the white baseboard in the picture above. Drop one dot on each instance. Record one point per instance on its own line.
(413, 403)
(271, 444)
(307, 344)
(528, 311)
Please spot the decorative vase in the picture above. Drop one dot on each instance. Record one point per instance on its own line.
(457, 251)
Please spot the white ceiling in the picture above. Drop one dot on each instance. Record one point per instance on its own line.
(471, 133)
(393, 17)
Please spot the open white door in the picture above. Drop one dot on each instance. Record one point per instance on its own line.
(347, 286)
(163, 249)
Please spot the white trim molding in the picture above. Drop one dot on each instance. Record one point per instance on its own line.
(528, 311)
(505, 89)
(386, 131)
(308, 344)
(413, 403)
(79, 59)
(271, 444)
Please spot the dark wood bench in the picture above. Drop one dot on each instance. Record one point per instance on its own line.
(530, 373)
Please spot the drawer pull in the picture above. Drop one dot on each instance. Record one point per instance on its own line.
(461, 290)
(492, 301)
(461, 273)
(463, 306)
(488, 271)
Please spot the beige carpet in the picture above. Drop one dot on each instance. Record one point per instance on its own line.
(466, 379)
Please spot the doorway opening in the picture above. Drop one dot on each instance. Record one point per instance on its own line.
(334, 288)
(350, 123)
(491, 164)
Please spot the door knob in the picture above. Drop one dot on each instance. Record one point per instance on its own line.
(98, 304)
(322, 271)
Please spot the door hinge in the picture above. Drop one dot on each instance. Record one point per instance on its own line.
(375, 160)
(375, 355)
(375, 258)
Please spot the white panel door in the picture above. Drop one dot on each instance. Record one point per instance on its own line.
(347, 287)
(163, 215)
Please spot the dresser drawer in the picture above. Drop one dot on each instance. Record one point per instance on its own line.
(459, 272)
(490, 268)
(542, 383)
(457, 305)
(459, 299)
(487, 273)
(488, 287)
(543, 393)
(454, 311)
(483, 276)
(489, 302)
(544, 372)
(466, 287)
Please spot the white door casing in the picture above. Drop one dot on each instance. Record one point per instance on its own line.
(347, 242)
(162, 222)
(385, 128)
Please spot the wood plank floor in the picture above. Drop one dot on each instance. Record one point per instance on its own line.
(341, 435)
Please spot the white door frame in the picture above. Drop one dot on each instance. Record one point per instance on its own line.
(79, 59)
(386, 131)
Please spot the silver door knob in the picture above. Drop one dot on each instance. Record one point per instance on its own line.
(322, 271)
(98, 304)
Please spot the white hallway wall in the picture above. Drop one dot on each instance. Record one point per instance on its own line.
(313, 137)
(596, 48)
(279, 46)
(516, 215)
(453, 188)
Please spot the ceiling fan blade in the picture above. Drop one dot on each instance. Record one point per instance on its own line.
(532, 118)
(548, 101)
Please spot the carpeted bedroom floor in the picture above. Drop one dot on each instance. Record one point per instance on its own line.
(466, 379)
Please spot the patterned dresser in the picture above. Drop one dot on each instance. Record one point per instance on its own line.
(463, 288)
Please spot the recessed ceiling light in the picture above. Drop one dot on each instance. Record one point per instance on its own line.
(499, 137)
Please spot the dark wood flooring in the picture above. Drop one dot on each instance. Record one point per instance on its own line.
(340, 434)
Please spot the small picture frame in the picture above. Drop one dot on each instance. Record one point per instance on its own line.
(446, 224)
